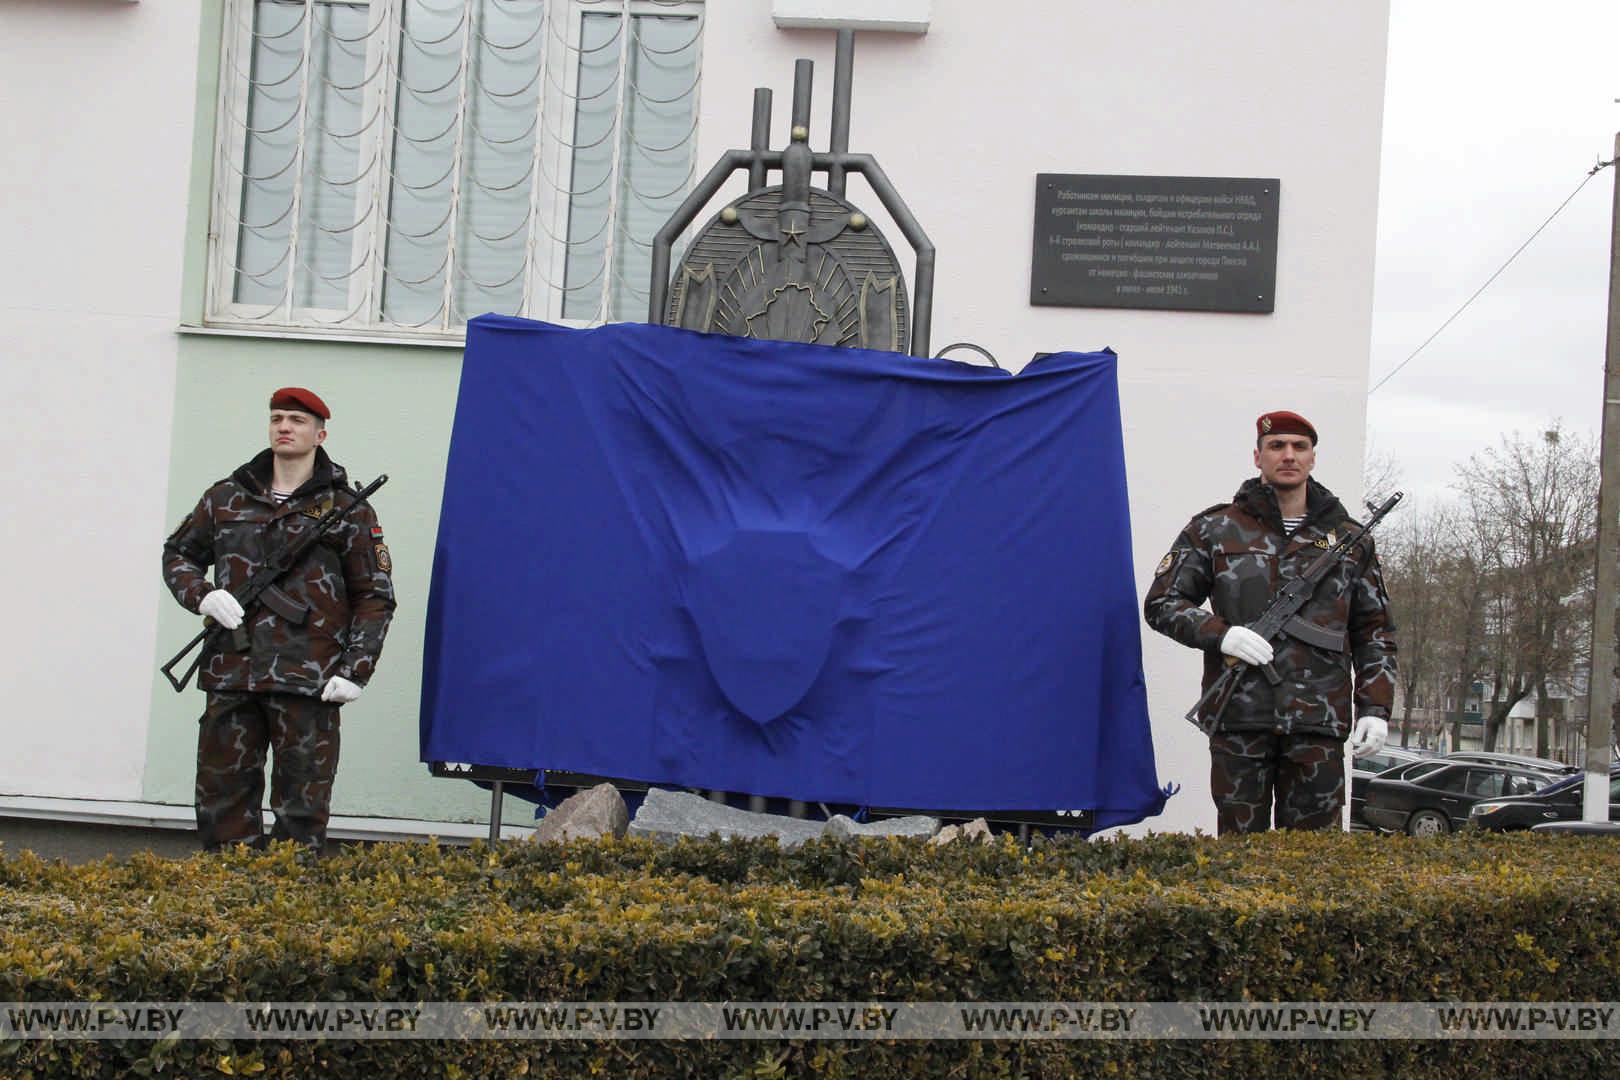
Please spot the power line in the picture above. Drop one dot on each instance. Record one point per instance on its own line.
(1593, 171)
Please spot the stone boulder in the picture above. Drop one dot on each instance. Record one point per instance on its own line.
(916, 825)
(597, 811)
(666, 815)
(977, 829)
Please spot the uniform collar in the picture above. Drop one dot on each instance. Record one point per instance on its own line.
(256, 474)
(1259, 500)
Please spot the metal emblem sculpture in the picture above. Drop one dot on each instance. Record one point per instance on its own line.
(793, 262)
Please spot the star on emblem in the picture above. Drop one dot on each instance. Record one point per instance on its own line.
(792, 232)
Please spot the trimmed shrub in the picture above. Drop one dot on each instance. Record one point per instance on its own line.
(1275, 917)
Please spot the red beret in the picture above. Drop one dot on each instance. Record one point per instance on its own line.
(296, 397)
(1283, 422)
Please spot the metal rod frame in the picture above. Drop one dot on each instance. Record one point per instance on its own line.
(837, 163)
(843, 77)
(760, 141)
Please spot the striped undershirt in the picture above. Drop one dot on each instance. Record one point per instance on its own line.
(1292, 523)
(283, 496)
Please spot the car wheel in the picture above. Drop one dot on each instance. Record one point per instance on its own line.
(1428, 823)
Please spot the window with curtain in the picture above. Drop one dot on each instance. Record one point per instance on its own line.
(399, 166)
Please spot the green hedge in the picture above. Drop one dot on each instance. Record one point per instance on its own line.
(1277, 917)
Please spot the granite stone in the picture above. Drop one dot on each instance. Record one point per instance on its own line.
(597, 811)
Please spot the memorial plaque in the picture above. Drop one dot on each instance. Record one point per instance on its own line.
(1182, 243)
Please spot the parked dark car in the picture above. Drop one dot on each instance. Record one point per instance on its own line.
(1561, 800)
(1362, 770)
(1425, 801)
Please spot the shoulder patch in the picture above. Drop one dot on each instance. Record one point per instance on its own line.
(1164, 563)
(384, 562)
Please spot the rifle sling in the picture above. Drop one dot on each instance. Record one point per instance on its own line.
(1317, 636)
(270, 594)
(294, 612)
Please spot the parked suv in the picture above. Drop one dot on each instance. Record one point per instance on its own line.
(1561, 800)
(1438, 799)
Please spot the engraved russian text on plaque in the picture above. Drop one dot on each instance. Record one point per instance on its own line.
(1186, 243)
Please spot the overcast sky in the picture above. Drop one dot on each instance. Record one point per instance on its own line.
(1494, 112)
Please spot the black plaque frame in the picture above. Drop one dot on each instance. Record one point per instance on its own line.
(1177, 243)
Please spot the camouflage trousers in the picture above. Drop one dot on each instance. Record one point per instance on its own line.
(236, 733)
(1252, 773)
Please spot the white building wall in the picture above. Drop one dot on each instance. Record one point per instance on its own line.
(98, 100)
(96, 103)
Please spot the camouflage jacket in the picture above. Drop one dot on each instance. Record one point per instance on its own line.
(1237, 556)
(341, 596)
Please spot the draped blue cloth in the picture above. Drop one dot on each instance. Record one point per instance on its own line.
(789, 570)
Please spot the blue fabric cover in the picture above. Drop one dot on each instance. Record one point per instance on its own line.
(789, 570)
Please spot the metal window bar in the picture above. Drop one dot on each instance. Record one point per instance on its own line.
(621, 125)
(290, 289)
(391, 24)
(531, 247)
(647, 112)
(457, 154)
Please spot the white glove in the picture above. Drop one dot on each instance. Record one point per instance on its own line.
(340, 691)
(1246, 645)
(222, 607)
(1369, 736)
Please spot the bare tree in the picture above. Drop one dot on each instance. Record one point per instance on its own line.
(1462, 643)
(1531, 508)
(1413, 553)
(1435, 571)
(1380, 475)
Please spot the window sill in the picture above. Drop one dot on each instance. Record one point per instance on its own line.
(287, 333)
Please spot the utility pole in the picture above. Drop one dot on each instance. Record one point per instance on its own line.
(1600, 694)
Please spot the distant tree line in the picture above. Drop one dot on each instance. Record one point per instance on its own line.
(1494, 584)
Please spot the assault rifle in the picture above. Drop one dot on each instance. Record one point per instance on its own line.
(261, 586)
(1281, 617)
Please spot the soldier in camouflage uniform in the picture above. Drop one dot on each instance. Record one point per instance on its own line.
(1280, 750)
(277, 681)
